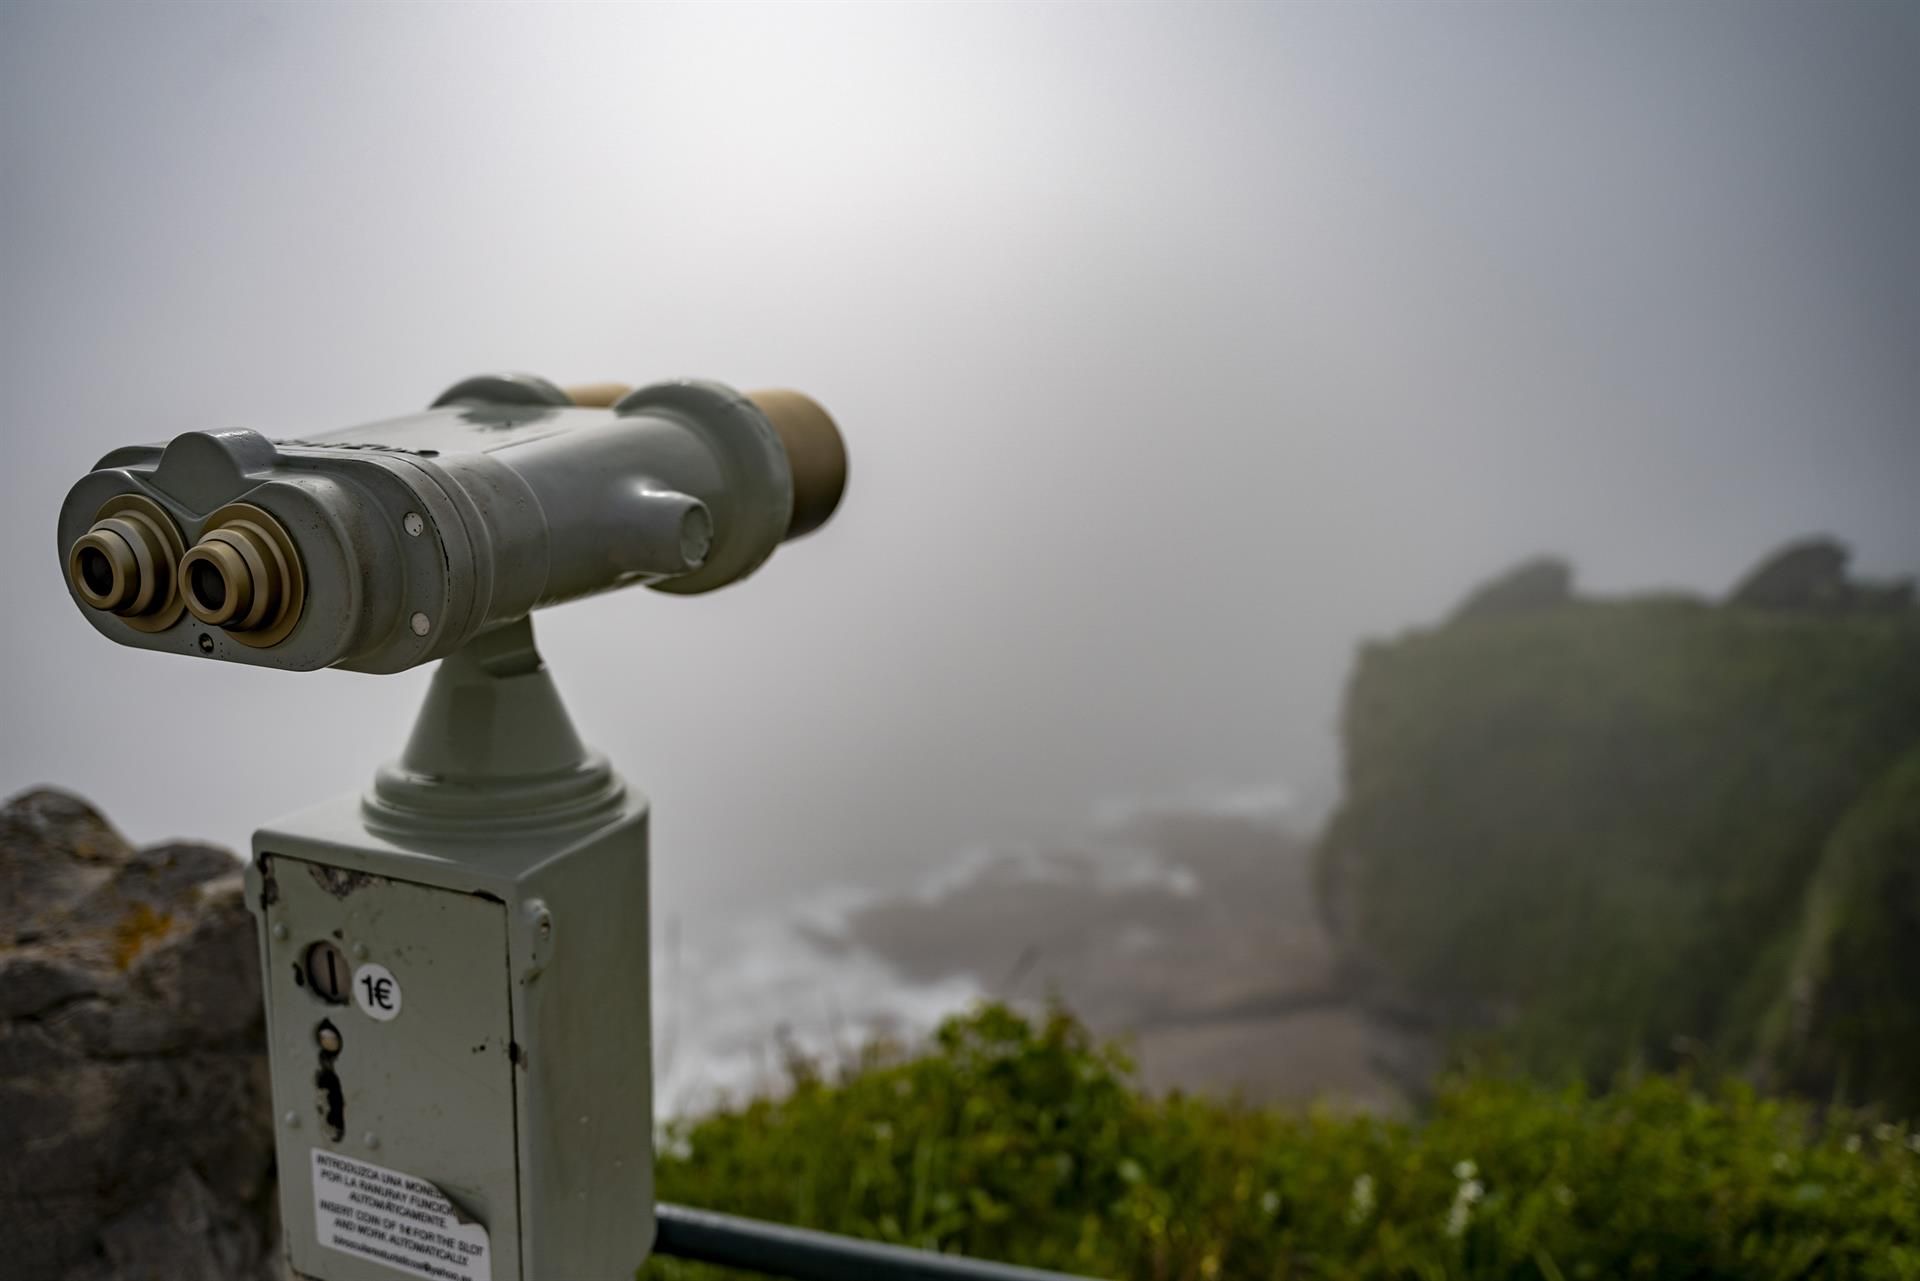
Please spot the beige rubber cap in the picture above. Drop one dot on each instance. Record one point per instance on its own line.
(815, 453)
(596, 395)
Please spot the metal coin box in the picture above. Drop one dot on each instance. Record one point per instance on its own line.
(461, 1001)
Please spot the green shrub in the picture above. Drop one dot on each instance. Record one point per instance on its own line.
(1024, 1141)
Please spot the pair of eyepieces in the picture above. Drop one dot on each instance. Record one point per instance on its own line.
(243, 576)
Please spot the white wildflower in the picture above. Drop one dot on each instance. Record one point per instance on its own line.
(1852, 1144)
(1269, 1203)
(1360, 1204)
(1885, 1132)
(1460, 1213)
(1466, 1170)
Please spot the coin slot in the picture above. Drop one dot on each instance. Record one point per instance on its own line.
(329, 977)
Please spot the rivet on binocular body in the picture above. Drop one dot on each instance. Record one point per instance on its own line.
(244, 576)
(125, 563)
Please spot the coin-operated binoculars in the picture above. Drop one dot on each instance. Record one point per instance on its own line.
(455, 961)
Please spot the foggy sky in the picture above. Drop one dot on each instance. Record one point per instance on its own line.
(1177, 348)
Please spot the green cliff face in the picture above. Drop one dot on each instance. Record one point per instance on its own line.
(1594, 832)
(1847, 1020)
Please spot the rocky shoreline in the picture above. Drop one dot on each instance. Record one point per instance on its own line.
(1190, 934)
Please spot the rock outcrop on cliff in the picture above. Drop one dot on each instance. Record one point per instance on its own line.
(1545, 582)
(1810, 577)
(134, 1112)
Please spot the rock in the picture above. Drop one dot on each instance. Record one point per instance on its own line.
(1542, 583)
(1190, 932)
(1810, 577)
(134, 1107)
(33, 887)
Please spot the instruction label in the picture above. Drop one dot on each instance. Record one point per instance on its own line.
(393, 1218)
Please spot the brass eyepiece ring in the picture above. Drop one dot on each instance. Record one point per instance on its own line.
(125, 564)
(244, 576)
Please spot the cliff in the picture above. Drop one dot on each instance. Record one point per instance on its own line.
(1595, 832)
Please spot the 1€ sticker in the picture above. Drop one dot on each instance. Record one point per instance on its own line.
(376, 992)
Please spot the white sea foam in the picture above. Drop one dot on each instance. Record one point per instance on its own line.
(727, 995)
(727, 1000)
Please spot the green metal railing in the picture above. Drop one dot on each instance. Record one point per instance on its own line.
(803, 1255)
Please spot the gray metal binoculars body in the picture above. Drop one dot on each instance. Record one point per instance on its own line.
(385, 546)
(496, 1125)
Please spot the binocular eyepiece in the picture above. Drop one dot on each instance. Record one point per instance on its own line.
(384, 546)
(128, 563)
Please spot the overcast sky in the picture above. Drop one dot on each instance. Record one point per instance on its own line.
(1178, 348)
